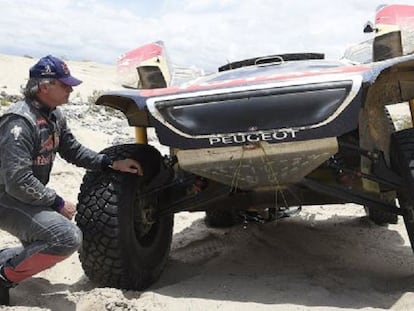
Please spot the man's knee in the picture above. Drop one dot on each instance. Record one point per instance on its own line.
(73, 240)
(67, 240)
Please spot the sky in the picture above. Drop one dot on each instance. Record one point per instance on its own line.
(201, 33)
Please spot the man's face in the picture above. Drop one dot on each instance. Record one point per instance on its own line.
(54, 93)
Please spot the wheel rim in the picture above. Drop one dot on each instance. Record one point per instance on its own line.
(145, 224)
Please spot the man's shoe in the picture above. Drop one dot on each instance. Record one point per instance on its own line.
(4, 295)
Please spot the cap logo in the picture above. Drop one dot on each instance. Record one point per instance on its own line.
(47, 70)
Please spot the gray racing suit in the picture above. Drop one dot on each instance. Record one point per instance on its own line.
(30, 136)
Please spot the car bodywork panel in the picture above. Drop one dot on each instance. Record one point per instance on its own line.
(247, 123)
(312, 99)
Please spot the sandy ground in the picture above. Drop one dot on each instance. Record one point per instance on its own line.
(325, 258)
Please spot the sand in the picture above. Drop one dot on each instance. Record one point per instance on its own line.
(325, 258)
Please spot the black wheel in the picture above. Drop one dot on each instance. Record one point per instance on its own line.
(124, 244)
(402, 161)
(221, 218)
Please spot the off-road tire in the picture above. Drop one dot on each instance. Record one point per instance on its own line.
(121, 247)
(402, 161)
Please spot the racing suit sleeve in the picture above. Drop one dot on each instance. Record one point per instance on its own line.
(74, 152)
(17, 143)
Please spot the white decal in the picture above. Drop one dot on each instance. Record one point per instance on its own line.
(47, 70)
(32, 191)
(16, 130)
(253, 138)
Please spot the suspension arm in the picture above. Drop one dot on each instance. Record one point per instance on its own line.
(352, 195)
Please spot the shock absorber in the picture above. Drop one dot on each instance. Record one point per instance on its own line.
(141, 135)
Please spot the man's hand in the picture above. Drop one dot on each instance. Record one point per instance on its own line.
(68, 210)
(128, 166)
